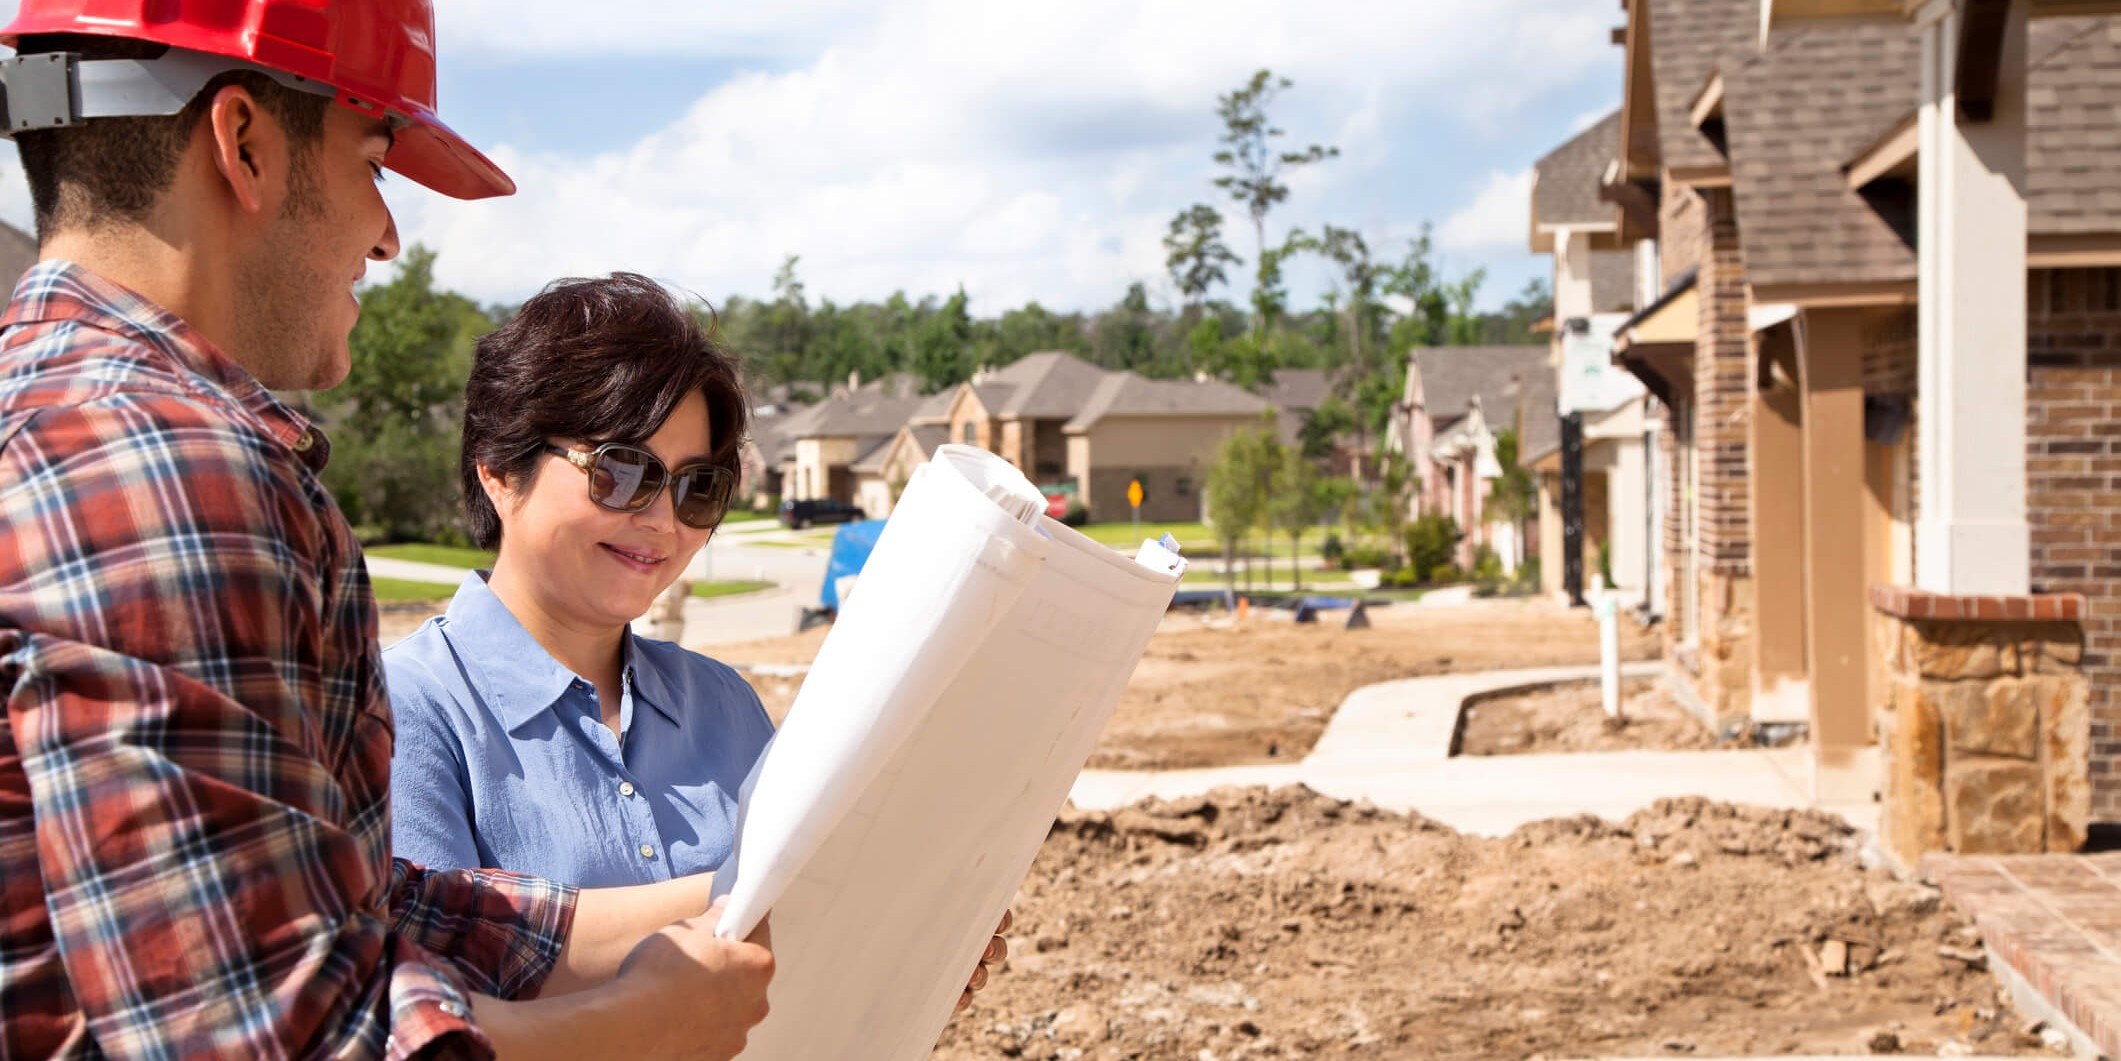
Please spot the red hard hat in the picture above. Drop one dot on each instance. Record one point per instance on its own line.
(378, 54)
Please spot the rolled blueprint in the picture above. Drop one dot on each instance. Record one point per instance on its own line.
(941, 726)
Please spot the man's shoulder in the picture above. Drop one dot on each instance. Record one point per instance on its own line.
(64, 363)
(182, 430)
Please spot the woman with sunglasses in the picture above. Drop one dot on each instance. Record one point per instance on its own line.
(536, 732)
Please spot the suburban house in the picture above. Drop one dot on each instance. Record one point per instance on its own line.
(1456, 399)
(823, 442)
(1597, 477)
(1887, 334)
(766, 447)
(1066, 423)
(1162, 433)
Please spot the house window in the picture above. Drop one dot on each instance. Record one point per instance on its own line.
(1185, 486)
(964, 433)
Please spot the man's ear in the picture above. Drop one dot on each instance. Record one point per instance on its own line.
(248, 148)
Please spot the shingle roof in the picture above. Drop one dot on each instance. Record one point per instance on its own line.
(934, 409)
(1688, 40)
(1126, 394)
(1298, 390)
(878, 408)
(770, 435)
(1451, 376)
(1539, 399)
(1047, 385)
(1565, 182)
(1794, 116)
(2073, 152)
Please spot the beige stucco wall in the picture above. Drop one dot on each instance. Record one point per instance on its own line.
(814, 460)
(1162, 441)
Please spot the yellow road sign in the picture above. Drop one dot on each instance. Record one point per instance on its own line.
(1134, 493)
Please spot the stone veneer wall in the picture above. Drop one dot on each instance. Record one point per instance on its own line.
(1983, 722)
(2073, 482)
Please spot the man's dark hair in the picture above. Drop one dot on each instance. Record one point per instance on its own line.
(603, 360)
(114, 169)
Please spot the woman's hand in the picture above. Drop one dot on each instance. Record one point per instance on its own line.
(996, 953)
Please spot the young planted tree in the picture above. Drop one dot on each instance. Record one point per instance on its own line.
(1299, 501)
(1396, 484)
(1256, 164)
(1513, 496)
(1236, 504)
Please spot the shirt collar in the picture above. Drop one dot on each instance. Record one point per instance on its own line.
(517, 676)
(60, 291)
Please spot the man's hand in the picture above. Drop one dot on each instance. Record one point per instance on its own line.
(681, 993)
(996, 953)
(700, 995)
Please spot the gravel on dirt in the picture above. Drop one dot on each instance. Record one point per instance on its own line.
(1257, 924)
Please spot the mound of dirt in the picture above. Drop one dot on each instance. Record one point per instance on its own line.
(1572, 718)
(1252, 924)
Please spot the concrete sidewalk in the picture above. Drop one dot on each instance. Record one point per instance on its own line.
(1390, 744)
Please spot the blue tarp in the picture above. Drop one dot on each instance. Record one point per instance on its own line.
(850, 550)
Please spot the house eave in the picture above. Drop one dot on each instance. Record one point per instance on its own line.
(1837, 295)
(1896, 154)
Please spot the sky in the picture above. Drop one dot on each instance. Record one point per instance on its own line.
(1024, 151)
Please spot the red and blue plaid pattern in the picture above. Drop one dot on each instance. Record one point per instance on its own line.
(195, 751)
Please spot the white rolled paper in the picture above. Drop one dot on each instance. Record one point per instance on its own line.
(947, 714)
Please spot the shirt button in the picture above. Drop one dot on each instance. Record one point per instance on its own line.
(647, 850)
(304, 441)
(452, 1009)
(625, 788)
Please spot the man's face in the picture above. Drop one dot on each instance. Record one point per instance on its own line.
(299, 289)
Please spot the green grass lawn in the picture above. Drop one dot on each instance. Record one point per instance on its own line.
(430, 553)
(397, 590)
(728, 589)
(1191, 536)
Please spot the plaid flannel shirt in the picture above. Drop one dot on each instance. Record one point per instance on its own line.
(195, 751)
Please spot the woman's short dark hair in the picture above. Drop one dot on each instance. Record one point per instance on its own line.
(603, 360)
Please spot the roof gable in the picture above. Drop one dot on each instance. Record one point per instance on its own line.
(1565, 182)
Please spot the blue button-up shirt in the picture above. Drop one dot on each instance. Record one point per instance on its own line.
(503, 759)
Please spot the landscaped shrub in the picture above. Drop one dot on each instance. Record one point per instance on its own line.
(1487, 567)
(1364, 556)
(1432, 541)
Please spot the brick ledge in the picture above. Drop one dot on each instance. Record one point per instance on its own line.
(1907, 602)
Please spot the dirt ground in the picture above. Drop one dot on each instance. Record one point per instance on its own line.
(1250, 924)
(1208, 694)
(1572, 718)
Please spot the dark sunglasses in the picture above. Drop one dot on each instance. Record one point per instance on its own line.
(627, 478)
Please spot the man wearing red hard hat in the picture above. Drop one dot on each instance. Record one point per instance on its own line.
(195, 742)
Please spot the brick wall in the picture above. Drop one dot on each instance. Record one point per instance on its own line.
(1722, 393)
(2073, 482)
(1699, 230)
(1669, 442)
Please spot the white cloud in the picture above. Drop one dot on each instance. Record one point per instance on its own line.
(558, 29)
(1021, 150)
(1501, 215)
